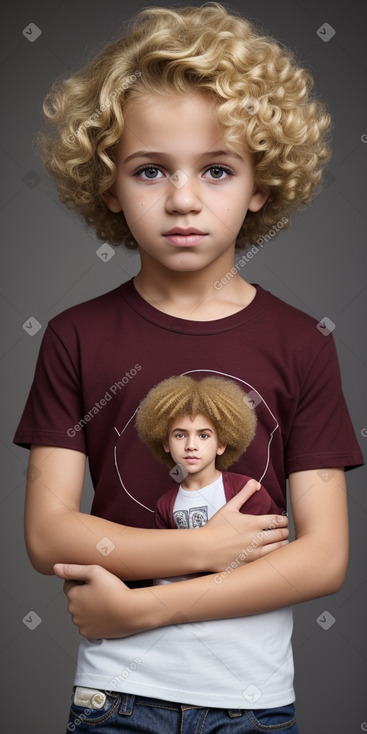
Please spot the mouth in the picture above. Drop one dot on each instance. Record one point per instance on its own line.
(191, 459)
(184, 237)
(183, 231)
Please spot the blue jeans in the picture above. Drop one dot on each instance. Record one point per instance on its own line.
(123, 712)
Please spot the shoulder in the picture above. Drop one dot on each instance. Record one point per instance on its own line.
(233, 482)
(90, 314)
(260, 503)
(167, 497)
(163, 509)
(276, 309)
(291, 334)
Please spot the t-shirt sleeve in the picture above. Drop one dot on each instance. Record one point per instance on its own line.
(53, 410)
(322, 434)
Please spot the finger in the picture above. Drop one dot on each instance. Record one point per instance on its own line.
(244, 494)
(273, 536)
(272, 547)
(271, 522)
(67, 586)
(72, 571)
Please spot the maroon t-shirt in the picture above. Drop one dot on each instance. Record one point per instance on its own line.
(99, 359)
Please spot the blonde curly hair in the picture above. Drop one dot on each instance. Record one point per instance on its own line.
(263, 100)
(219, 399)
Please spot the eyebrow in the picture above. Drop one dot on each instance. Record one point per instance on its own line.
(199, 430)
(156, 154)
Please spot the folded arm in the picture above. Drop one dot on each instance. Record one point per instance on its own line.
(57, 531)
(313, 565)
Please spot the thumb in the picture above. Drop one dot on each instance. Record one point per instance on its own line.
(244, 494)
(71, 571)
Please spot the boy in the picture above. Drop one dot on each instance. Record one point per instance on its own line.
(191, 135)
(198, 428)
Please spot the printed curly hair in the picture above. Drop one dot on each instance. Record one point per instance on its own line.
(219, 399)
(263, 100)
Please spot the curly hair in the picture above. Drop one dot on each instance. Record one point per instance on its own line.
(263, 99)
(219, 399)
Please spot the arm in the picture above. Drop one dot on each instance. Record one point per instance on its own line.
(57, 531)
(313, 565)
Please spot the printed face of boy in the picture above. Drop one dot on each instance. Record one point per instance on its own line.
(193, 443)
(183, 192)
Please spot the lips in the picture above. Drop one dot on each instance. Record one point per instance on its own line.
(181, 237)
(182, 231)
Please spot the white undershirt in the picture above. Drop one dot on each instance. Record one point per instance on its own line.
(244, 662)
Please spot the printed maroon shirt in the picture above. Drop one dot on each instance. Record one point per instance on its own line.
(99, 359)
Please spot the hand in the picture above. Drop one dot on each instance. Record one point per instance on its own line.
(101, 605)
(232, 536)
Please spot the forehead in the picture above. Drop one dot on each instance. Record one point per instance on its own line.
(189, 423)
(164, 122)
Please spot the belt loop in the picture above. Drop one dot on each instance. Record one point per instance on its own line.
(235, 713)
(127, 704)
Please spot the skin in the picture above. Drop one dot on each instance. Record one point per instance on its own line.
(180, 134)
(195, 437)
(179, 281)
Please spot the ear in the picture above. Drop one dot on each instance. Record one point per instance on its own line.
(221, 449)
(111, 200)
(258, 198)
(166, 447)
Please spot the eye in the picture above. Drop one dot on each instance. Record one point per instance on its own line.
(204, 435)
(219, 173)
(148, 173)
(179, 435)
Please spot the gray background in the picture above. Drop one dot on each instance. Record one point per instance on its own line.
(49, 263)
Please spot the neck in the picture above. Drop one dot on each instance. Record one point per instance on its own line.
(194, 295)
(194, 481)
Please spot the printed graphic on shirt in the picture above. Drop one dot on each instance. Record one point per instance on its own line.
(181, 518)
(194, 518)
(141, 458)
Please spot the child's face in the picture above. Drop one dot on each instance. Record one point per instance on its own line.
(194, 444)
(175, 171)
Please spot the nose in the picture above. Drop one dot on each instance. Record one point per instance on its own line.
(190, 444)
(182, 194)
